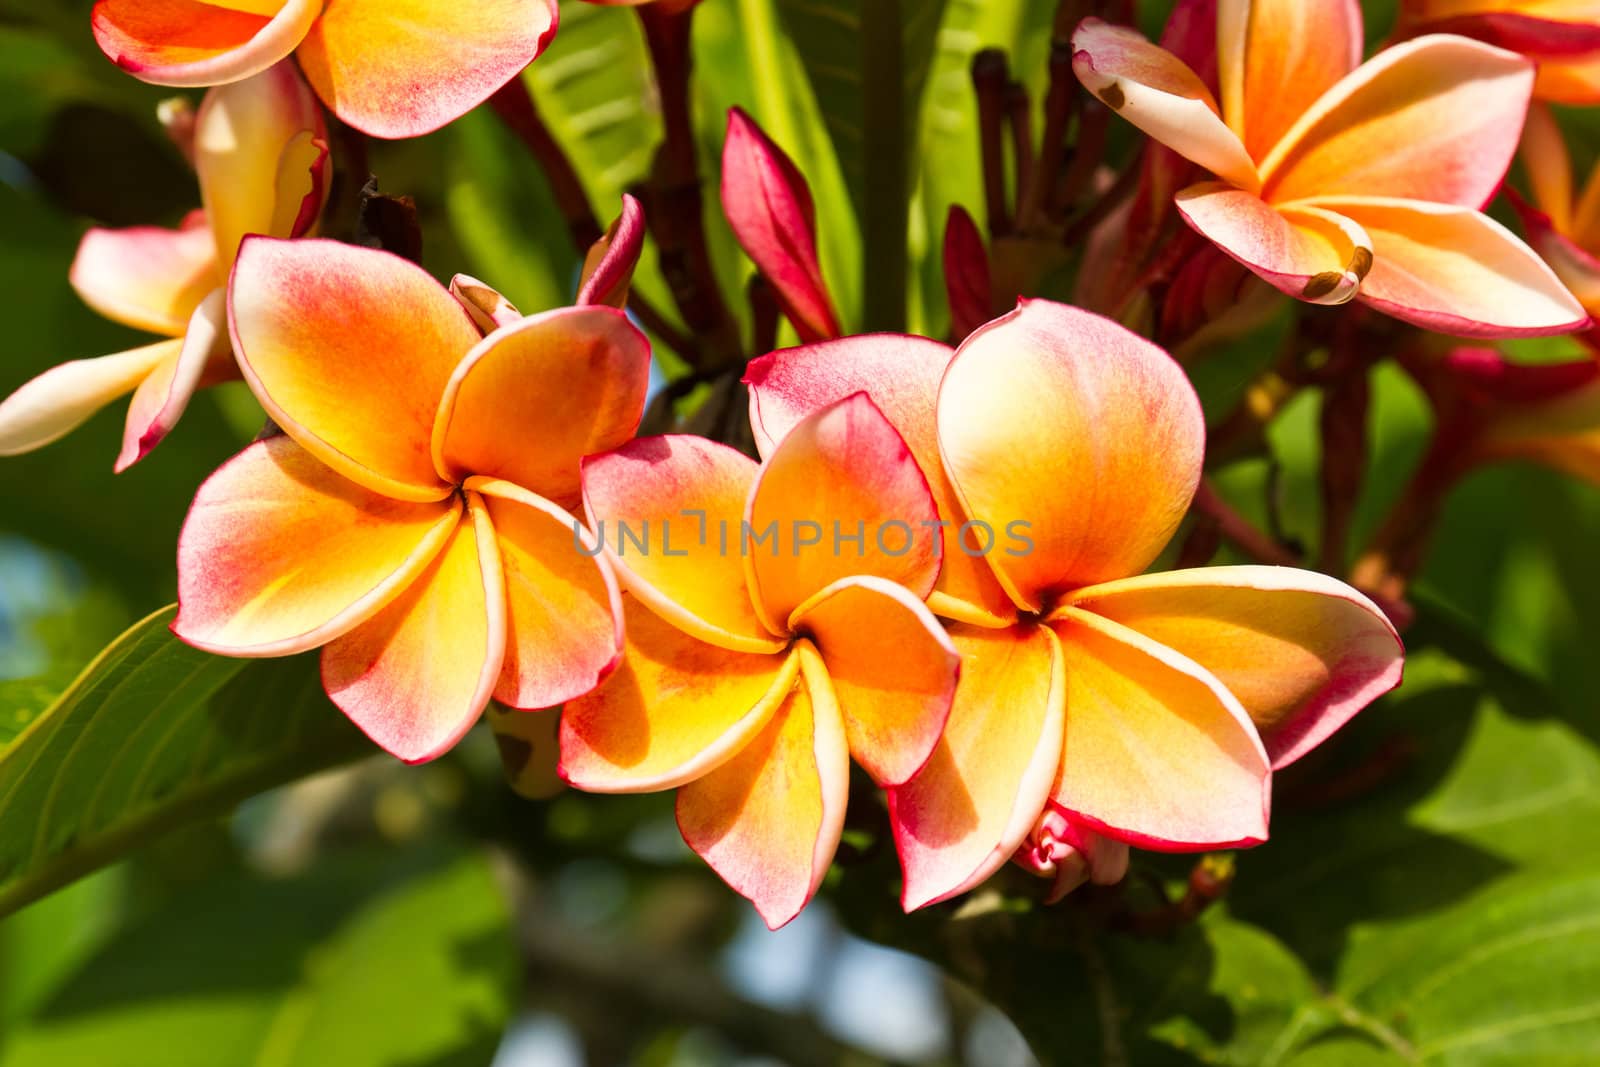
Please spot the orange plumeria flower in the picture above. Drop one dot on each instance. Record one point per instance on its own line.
(760, 660)
(412, 521)
(1563, 36)
(1149, 709)
(1344, 180)
(391, 68)
(1563, 225)
(261, 156)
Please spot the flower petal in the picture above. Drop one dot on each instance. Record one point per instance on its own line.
(1436, 118)
(675, 709)
(840, 496)
(281, 554)
(349, 350)
(964, 814)
(768, 820)
(192, 43)
(61, 399)
(563, 607)
(1276, 57)
(1575, 82)
(1077, 442)
(1158, 753)
(608, 267)
(1302, 652)
(147, 277)
(488, 308)
(892, 668)
(1578, 270)
(966, 273)
(1457, 271)
(1549, 166)
(1160, 94)
(159, 402)
(1307, 252)
(403, 68)
(536, 397)
(416, 676)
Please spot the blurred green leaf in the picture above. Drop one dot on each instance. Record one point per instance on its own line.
(153, 735)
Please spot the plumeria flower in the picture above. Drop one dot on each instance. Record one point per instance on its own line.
(412, 520)
(1563, 36)
(1342, 180)
(1563, 223)
(763, 650)
(391, 68)
(1147, 709)
(260, 151)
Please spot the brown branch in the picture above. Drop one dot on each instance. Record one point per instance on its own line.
(1240, 531)
(989, 83)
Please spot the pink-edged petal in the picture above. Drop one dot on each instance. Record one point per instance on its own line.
(768, 820)
(608, 267)
(974, 802)
(1158, 752)
(841, 496)
(1070, 854)
(1436, 118)
(1310, 253)
(204, 357)
(1077, 442)
(1457, 271)
(563, 606)
(1302, 652)
(416, 676)
(966, 273)
(280, 554)
(1276, 57)
(192, 43)
(489, 309)
(769, 206)
(61, 399)
(1160, 94)
(1543, 29)
(1578, 270)
(145, 276)
(536, 397)
(893, 671)
(349, 350)
(403, 68)
(675, 709)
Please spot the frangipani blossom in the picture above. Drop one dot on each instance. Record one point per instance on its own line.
(1563, 224)
(390, 68)
(412, 522)
(1339, 180)
(755, 669)
(260, 151)
(1563, 36)
(1147, 709)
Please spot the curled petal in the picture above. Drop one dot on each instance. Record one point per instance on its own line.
(1070, 854)
(1302, 652)
(675, 709)
(204, 356)
(1157, 92)
(192, 43)
(489, 310)
(280, 554)
(892, 668)
(403, 68)
(1276, 57)
(608, 268)
(349, 350)
(416, 676)
(532, 399)
(768, 820)
(966, 273)
(1052, 419)
(147, 277)
(975, 800)
(769, 206)
(61, 399)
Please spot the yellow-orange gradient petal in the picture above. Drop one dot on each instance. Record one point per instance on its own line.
(534, 398)
(1301, 651)
(349, 350)
(1157, 753)
(841, 496)
(892, 668)
(964, 814)
(147, 277)
(280, 554)
(55, 403)
(1077, 442)
(670, 512)
(673, 710)
(403, 68)
(416, 676)
(1275, 57)
(161, 399)
(1549, 166)
(1436, 118)
(191, 43)
(768, 820)
(563, 607)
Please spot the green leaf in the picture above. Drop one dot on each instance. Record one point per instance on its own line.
(151, 736)
(372, 960)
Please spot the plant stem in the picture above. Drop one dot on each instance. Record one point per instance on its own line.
(888, 129)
